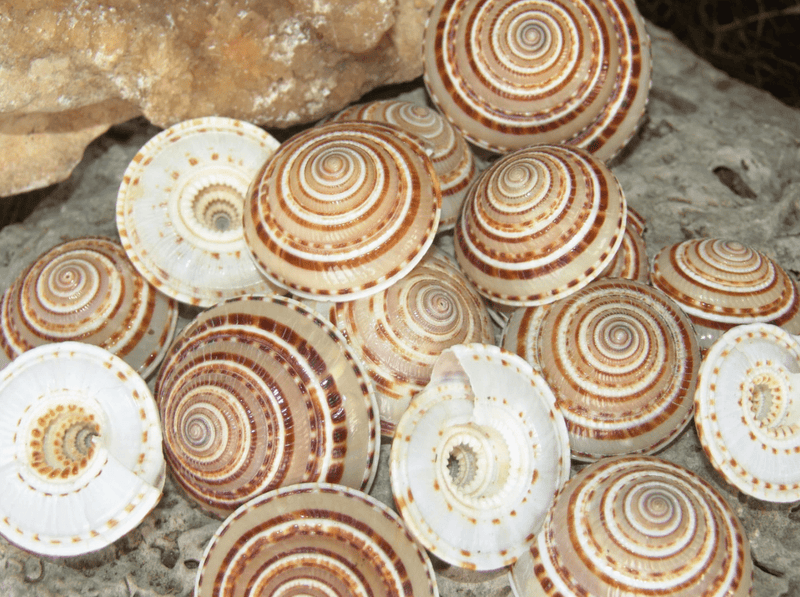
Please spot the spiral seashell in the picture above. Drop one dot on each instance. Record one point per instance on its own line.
(513, 73)
(343, 210)
(748, 410)
(539, 224)
(261, 392)
(86, 290)
(451, 156)
(630, 260)
(478, 457)
(637, 525)
(621, 359)
(80, 449)
(722, 283)
(400, 332)
(180, 204)
(314, 539)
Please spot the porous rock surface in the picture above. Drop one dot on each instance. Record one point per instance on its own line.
(69, 69)
(714, 157)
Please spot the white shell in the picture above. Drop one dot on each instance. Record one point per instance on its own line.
(80, 449)
(747, 410)
(478, 457)
(180, 204)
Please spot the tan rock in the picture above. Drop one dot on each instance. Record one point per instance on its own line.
(82, 66)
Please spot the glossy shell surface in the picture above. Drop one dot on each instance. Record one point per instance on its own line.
(513, 73)
(748, 410)
(478, 457)
(539, 224)
(630, 261)
(261, 392)
(87, 290)
(314, 539)
(622, 360)
(343, 210)
(635, 526)
(180, 204)
(80, 449)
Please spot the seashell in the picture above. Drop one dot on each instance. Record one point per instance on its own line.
(180, 204)
(400, 332)
(478, 457)
(314, 539)
(451, 156)
(621, 359)
(80, 449)
(637, 525)
(630, 261)
(748, 410)
(260, 392)
(343, 210)
(539, 224)
(86, 290)
(722, 283)
(513, 73)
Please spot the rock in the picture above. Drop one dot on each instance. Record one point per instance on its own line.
(69, 69)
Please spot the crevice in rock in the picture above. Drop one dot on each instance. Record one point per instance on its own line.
(768, 569)
(732, 180)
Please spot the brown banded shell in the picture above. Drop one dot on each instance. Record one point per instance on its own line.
(180, 204)
(721, 283)
(633, 526)
(451, 156)
(314, 539)
(539, 224)
(86, 290)
(400, 332)
(261, 392)
(622, 360)
(513, 73)
(630, 261)
(343, 210)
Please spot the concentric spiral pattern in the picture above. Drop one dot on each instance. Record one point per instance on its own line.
(722, 283)
(633, 526)
(451, 156)
(748, 410)
(314, 539)
(180, 204)
(539, 224)
(478, 457)
(86, 290)
(400, 332)
(513, 73)
(630, 261)
(260, 392)
(621, 359)
(343, 210)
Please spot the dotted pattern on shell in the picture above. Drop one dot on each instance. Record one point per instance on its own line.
(513, 73)
(637, 526)
(622, 360)
(540, 224)
(343, 210)
(180, 204)
(747, 410)
(261, 392)
(86, 290)
(452, 157)
(318, 539)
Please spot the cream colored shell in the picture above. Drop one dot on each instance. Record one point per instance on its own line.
(630, 261)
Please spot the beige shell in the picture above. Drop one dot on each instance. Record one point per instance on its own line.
(748, 410)
(634, 526)
(80, 449)
(451, 156)
(539, 224)
(314, 539)
(86, 290)
(343, 210)
(621, 359)
(512, 73)
(260, 392)
(721, 283)
(180, 204)
(630, 261)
